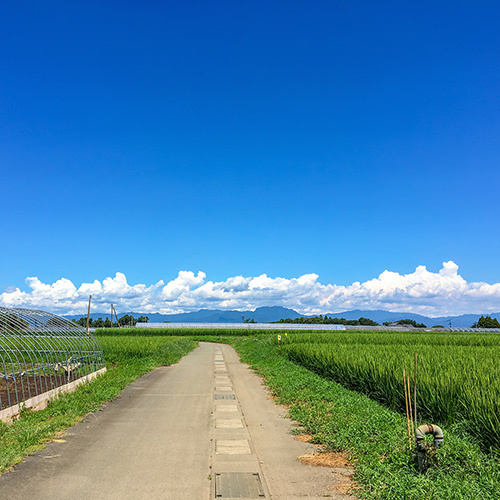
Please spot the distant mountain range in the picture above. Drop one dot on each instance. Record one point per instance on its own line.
(275, 313)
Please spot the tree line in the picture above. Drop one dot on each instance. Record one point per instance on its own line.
(327, 320)
(486, 322)
(126, 320)
(482, 322)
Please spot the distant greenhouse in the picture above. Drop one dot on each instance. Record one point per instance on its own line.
(243, 326)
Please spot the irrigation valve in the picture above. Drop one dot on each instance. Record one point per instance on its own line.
(423, 446)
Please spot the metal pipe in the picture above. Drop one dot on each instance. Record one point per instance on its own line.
(423, 446)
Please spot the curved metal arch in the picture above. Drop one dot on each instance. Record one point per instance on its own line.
(69, 332)
(40, 351)
(55, 327)
(18, 325)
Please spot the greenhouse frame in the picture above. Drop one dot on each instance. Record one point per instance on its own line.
(41, 356)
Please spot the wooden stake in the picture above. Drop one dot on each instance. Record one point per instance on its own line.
(406, 404)
(415, 391)
(411, 414)
(88, 315)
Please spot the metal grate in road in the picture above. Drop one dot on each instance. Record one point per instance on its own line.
(224, 396)
(238, 485)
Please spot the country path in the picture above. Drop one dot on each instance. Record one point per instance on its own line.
(201, 429)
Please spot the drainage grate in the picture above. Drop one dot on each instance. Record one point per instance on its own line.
(238, 485)
(221, 373)
(224, 396)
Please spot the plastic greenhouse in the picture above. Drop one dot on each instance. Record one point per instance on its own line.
(42, 355)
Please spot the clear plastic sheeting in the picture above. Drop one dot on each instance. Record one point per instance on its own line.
(40, 351)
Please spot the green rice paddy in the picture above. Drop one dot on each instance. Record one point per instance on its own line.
(458, 374)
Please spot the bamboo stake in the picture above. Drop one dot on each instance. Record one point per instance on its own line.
(406, 404)
(415, 391)
(88, 315)
(411, 414)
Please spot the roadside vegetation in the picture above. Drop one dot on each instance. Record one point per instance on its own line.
(127, 358)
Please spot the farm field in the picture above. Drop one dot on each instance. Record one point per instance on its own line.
(458, 376)
(176, 332)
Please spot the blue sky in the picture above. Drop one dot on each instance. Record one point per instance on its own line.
(340, 139)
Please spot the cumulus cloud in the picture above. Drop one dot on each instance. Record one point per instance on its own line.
(425, 292)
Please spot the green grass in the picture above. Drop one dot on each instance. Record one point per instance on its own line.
(176, 332)
(372, 435)
(458, 377)
(127, 359)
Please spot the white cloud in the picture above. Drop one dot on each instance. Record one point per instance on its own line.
(184, 283)
(425, 292)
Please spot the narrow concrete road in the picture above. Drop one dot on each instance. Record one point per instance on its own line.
(202, 429)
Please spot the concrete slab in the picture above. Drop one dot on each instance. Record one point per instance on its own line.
(236, 463)
(225, 407)
(230, 423)
(224, 388)
(232, 447)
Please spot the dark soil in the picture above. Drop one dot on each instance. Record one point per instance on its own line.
(27, 387)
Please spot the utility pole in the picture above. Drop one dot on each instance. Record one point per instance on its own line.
(117, 320)
(111, 317)
(88, 315)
